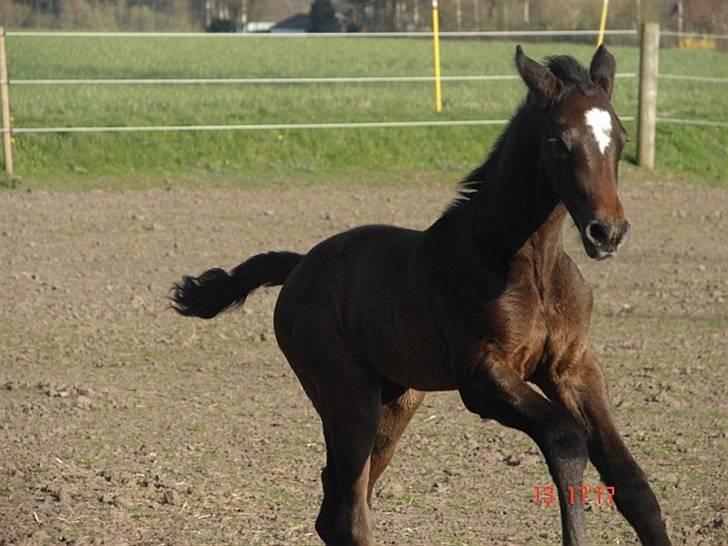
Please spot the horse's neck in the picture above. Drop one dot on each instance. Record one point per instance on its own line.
(521, 212)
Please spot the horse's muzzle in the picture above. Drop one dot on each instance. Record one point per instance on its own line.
(603, 239)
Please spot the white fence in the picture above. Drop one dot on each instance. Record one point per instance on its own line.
(317, 35)
(8, 131)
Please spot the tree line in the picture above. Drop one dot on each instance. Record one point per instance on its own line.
(359, 15)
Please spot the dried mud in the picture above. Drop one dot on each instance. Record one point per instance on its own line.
(122, 423)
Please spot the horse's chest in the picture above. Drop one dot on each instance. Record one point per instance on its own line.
(538, 320)
(524, 342)
(526, 346)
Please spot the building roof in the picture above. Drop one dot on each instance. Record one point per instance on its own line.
(278, 10)
(300, 22)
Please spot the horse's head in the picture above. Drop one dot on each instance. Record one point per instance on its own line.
(581, 143)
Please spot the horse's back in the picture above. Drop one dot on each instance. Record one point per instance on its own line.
(340, 267)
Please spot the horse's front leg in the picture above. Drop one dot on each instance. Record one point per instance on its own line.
(497, 392)
(583, 391)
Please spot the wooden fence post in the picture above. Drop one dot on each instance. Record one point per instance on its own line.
(649, 57)
(5, 100)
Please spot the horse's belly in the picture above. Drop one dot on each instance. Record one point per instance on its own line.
(423, 381)
(422, 366)
(431, 383)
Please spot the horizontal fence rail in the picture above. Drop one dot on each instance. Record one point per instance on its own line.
(701, 122)
(701, 79)
(672, 33)
(261, 126)
(270, 126)
(260, 81)
(453, 34)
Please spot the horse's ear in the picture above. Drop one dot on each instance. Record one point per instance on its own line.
(539, 79)
(602, 70)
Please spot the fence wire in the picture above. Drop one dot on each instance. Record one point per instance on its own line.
(269, 81)
(309, 35)
(270, 126)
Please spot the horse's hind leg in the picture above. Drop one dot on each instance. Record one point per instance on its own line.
(396, 415)
(351, 417)
(329, 506)
(348, 400)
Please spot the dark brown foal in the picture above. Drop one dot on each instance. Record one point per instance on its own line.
(484, 301)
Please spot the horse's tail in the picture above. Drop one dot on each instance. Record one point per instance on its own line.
(217, 290)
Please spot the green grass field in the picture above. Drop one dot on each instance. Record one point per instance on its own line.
(87, 160)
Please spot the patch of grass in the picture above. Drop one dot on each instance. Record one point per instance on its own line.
(8, 182)
(143, 513)
(82, 161)
(407, 499)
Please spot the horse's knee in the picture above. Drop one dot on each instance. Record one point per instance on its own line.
(566, 442)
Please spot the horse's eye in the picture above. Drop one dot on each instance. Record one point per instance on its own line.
(558, 147)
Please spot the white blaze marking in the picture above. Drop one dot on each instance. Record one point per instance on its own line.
(601, 125)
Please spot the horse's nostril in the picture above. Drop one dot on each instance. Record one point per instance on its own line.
(598, 233)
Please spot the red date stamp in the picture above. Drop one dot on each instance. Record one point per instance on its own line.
(574, 494)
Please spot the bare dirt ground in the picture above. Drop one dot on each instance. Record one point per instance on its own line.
(122, 423)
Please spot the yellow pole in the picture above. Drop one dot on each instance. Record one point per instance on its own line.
(436, 46)
(603, 23)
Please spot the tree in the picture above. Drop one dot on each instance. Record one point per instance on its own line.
(323, 17)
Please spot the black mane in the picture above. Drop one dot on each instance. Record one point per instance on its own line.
(572, 74)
